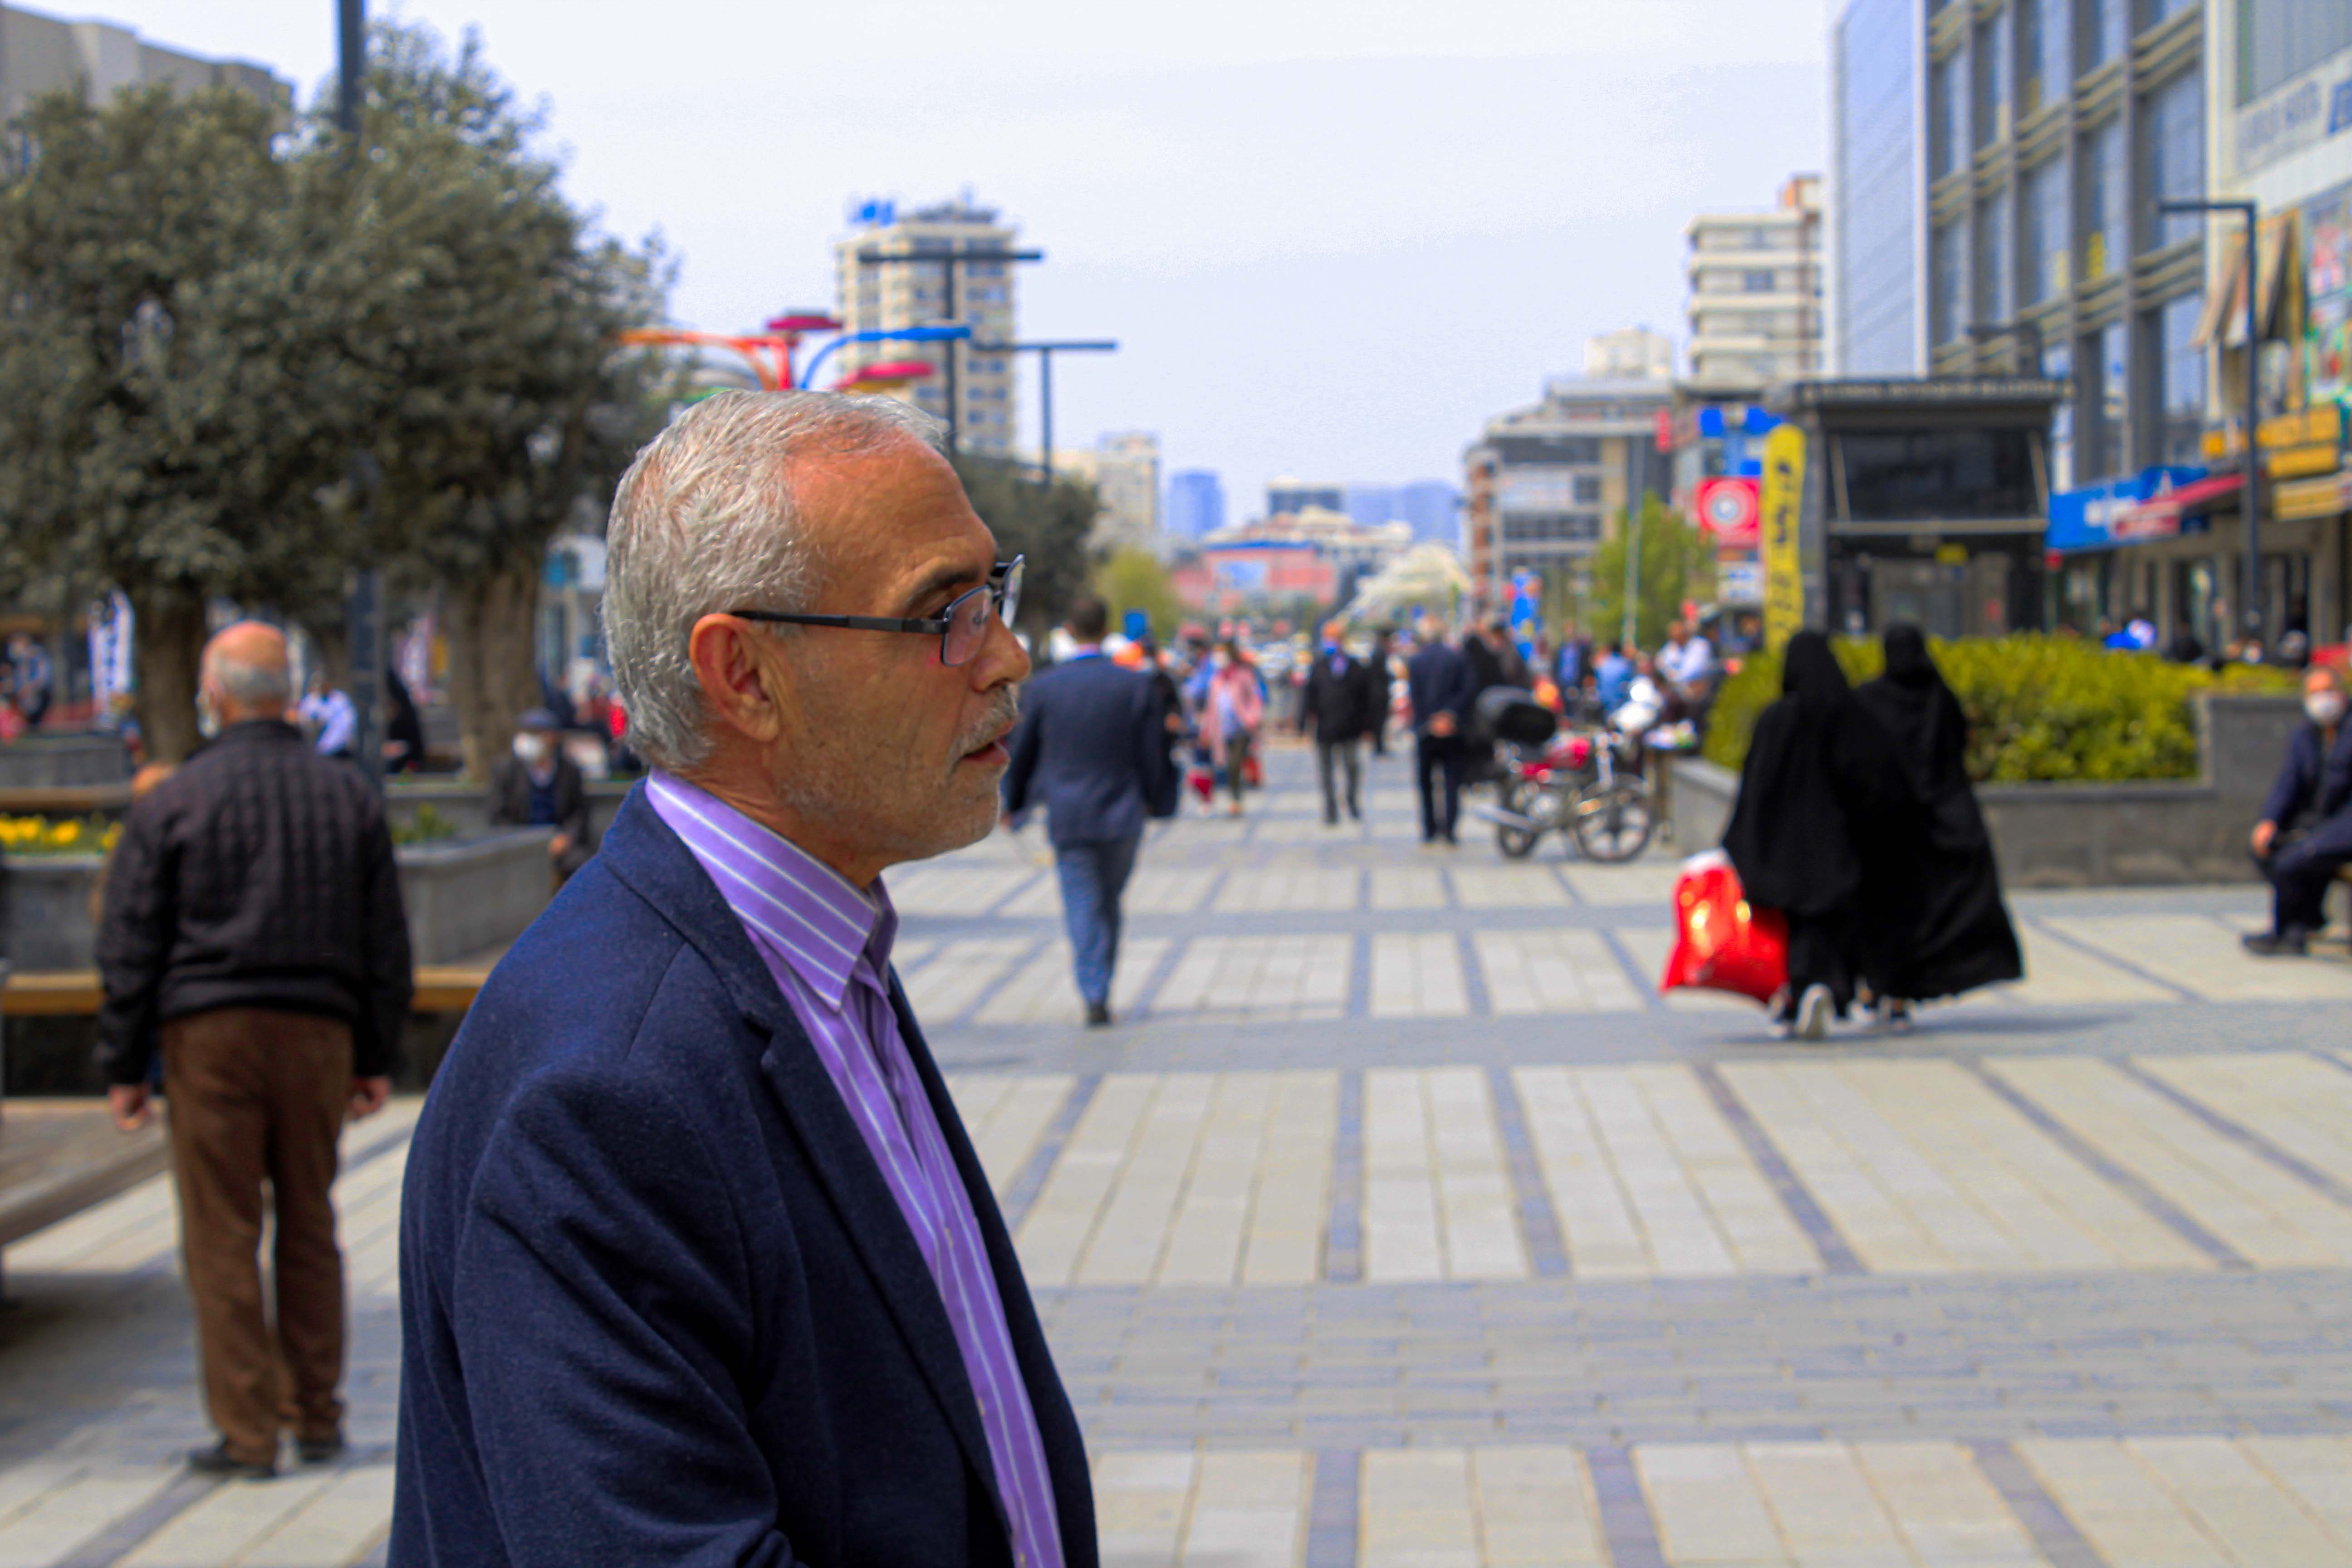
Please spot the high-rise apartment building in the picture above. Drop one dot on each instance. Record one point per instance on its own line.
(1996, 170)
(1546, 483)
(1127, 491)
(1196, 503)
(1434, 508)
(1755, 310)
(1635, 353)
(41, 54)
(1287, 495)
(884, 282)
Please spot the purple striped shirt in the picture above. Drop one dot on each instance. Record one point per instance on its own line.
(828, 946)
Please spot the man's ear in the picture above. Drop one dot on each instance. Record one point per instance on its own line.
(745, 683)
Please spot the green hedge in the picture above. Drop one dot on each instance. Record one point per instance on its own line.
(2040, 708)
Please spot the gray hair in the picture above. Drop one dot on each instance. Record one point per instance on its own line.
(705, 522)
(250, 683)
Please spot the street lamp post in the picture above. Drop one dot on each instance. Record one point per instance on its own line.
(1045, 353)
(364, 610)
(948, 260)
(2251, 212)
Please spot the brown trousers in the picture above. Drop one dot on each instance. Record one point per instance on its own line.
(257, 1095)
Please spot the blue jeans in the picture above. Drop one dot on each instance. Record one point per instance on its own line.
(1094, 874)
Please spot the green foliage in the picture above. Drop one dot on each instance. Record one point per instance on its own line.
(1047, 525)
(1677, 563)
(427, 826)
(2040, 708)
(1135, 579)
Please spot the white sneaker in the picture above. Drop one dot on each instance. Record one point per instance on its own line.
(1812, 1022)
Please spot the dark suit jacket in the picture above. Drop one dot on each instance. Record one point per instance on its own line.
(1093, 748)
(1342, 707)
(1437, 680)
(658, 1304)
(510, 797)
(2309, 783)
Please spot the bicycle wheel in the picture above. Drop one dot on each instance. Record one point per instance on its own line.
(1615, 823)
(1517, 843)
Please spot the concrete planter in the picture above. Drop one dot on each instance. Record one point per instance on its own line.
(64, 761)
(2095, 834)
(463, 896)
(466, 807)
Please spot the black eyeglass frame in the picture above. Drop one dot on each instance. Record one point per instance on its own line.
(1004, 584)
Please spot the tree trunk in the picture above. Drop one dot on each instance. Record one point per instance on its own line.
(493, 678)
(167, 648)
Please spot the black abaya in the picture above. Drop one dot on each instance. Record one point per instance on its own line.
(1826, 829)
(1963, 939)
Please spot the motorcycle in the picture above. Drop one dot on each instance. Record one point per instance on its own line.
(1584, 781)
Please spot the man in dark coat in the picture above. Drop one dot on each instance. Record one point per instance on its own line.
(538, 787)
(1384, 683)
(1093, 750)
(1963, 938)
(1339, 707)
(1440, 685)
(1826, 829)
(2305, 835)
(698, 1265)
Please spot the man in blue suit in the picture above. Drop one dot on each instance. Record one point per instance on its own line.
(2305, 835)
(1440, 684)
(696, 1263)
(1093, 750)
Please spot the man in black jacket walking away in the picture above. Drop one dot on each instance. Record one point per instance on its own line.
(1093, 748)
(1440, 684)
(254, 931)
(1339, 707)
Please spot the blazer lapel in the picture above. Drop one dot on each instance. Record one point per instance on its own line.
(651, 859)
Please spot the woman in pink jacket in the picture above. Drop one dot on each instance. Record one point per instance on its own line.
(1230, 715)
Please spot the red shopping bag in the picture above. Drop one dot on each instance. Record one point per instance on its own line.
(1720, 943)
(1253, 772)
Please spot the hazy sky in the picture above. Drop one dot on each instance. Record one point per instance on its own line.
(1332, 236)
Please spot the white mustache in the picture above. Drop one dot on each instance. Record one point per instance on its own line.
(1002, 717)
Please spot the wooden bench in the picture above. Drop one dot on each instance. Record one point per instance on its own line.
(440, 988)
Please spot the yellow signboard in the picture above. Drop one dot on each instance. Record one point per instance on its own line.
(1784, 490)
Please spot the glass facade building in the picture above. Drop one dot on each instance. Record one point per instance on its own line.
(1196, 503)
(1876, 129)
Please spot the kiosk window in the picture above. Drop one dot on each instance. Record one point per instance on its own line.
(1920, 476)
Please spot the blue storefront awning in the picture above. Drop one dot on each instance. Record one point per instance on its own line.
(2085, 519)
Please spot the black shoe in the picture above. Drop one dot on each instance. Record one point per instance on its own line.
(2288, 943)
(1329, 820)
(319, 1450)
(217, 1461)
(1098, 1014)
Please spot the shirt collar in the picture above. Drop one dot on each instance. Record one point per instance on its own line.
(802, 911)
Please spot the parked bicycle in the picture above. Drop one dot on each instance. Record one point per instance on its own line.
(1584, 782)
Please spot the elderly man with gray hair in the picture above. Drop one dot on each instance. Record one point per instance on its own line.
(254, 938)
(698, 1263)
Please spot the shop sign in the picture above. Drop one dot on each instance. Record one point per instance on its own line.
(1740, 582)
(1783, 492)
(2085, 518)
(2298, 499)
(2312, 108)
(1726, 507)
(2321, 425)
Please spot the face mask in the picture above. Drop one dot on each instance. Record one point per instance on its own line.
(2326, 707)
(530, 750)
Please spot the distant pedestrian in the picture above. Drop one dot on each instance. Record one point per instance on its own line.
(1613, 677)
(1964, 938)
(404, 729)
(1826, 830)
(1383, 680)
(34, 682)
(1440, 685)
(1339, 707)
(536, 785)
(2305, 835)
(1092, 749)
(254, 926)
(329, 718)
(1233, 708)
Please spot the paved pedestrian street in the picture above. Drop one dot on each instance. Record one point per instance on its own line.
(1399, 1223)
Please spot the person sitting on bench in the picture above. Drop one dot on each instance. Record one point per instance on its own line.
(2305, 835)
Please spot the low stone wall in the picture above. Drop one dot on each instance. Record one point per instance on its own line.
(64, 761)
(463, 896)
(466, 807)
(2094, 834)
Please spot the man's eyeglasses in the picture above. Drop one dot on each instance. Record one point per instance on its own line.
(962, 628)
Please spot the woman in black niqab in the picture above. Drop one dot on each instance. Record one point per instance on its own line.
(1963, 937)
(1824, 829)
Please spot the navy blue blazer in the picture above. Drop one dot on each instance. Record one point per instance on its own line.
(1092, 748)
(658, 1304)
(1438, 679)
(2307, 782)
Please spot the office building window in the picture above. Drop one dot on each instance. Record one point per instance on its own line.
(2283, 38)
(2151, 12)
(2058, 365)
(2107, 30)
(1874, 188)
(2048, 69)
(1991, 54)
(2105, 215)
(2181, 380)
(2043, 201)
(2172, 157)
(1994, 301)
(1946, 104)
(1758, 282)
(1949, 264)
(1588, 487)
(2110, 438)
